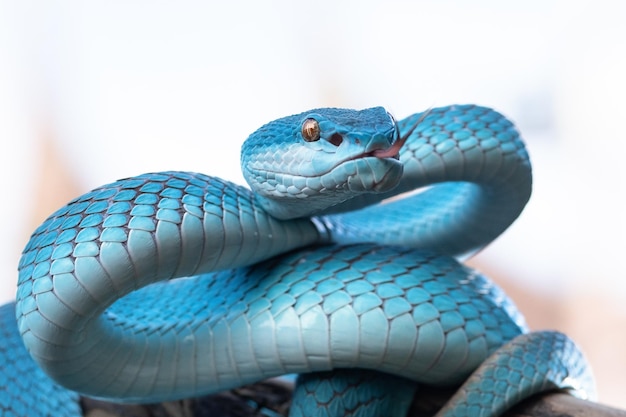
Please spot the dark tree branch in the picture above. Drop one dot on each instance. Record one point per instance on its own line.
(562, 405)
(271, 398)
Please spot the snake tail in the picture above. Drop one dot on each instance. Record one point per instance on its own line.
(529, 364)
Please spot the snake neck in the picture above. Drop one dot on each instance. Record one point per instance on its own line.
(474, 175)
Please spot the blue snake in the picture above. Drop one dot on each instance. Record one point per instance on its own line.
(340, 264)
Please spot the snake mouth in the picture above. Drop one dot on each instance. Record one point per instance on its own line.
(393, 151)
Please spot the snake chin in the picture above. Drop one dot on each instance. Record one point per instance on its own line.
(374, 174)
(289, 196)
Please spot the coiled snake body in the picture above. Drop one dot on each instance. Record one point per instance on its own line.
(177, 284)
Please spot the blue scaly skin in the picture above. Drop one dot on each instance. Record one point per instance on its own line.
(176, 284)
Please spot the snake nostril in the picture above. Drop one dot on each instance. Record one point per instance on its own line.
(336, 139)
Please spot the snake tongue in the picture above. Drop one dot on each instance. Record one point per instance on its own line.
(394, 150)
(391, 152)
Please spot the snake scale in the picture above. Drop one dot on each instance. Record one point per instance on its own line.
(177, 284)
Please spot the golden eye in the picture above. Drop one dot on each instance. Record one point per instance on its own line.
(311, 130)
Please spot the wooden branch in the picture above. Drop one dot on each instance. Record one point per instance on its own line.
(555, 404)
(562, 405)
(273, 397)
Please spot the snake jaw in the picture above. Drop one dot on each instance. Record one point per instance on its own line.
(392, 152)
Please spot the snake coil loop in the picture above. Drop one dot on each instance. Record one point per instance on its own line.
(177, 284)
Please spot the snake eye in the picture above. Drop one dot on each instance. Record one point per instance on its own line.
(311, 130)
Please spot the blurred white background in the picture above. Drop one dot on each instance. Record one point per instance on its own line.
(94, 91)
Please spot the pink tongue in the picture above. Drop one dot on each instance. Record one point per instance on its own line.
(394, 150)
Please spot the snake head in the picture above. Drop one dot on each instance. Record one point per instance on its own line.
(307, 163)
